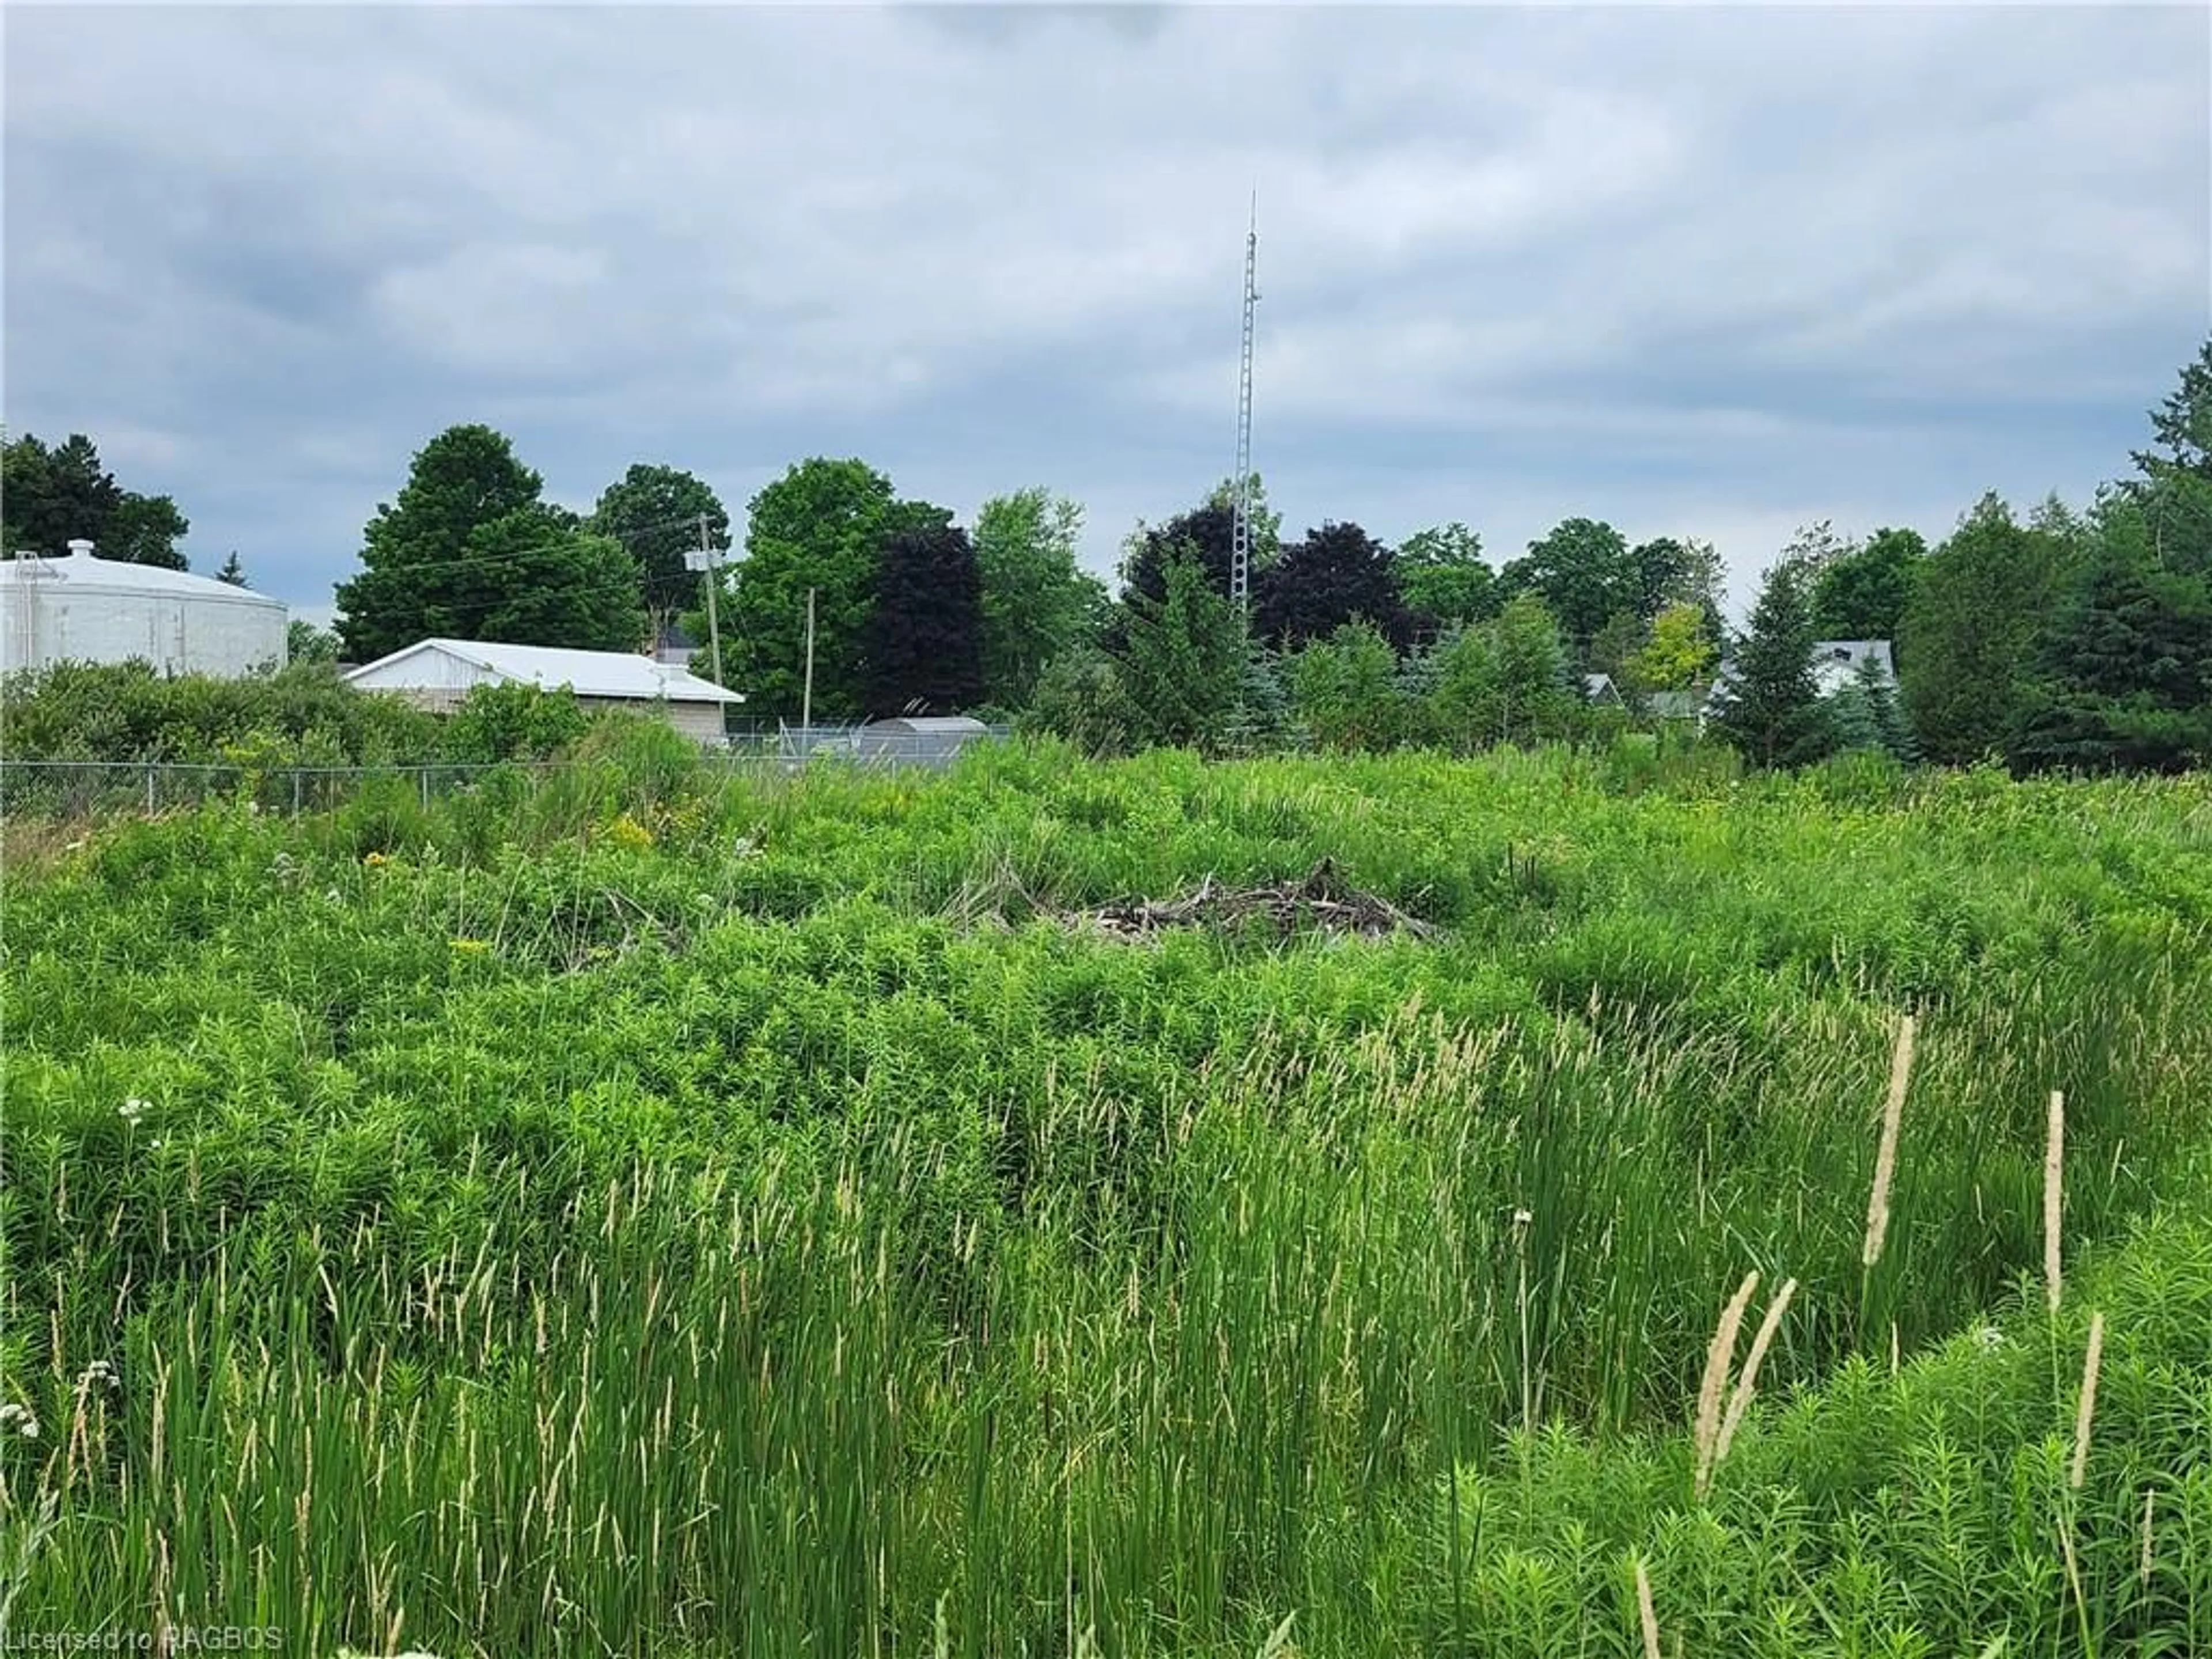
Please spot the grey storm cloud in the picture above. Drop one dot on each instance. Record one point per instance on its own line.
(1716, 271)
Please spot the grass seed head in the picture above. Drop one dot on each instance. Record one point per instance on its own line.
(1720, 1357)
(2054, 1199)
(1885, 1163)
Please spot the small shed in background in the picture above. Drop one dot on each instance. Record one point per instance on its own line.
(436, 674)
(922, 739)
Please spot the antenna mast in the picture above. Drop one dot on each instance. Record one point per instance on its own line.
(1240, 546)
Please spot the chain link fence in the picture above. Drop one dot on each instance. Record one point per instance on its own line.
(92, 789)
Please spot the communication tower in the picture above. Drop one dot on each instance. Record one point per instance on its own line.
(1240, 545)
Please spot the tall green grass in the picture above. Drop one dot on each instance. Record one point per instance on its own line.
(742, 1215)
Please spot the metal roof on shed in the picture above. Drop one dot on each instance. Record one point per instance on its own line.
(942, 725)
(618, 674)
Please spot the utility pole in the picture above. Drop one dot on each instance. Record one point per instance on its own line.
(806, 699)
(703, 561)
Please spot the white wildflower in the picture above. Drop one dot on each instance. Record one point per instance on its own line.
(131, 1109)
(19, 1417)
(1522, 1218)
(100, 1373)
(1990, 1339)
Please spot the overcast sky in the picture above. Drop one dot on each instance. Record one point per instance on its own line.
(1713, 271)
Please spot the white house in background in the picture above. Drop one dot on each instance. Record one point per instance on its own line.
(1835, 665)
(1836, 662)
(82, 609)
(437, 674)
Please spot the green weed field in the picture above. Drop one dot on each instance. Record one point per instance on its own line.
(655, 1212)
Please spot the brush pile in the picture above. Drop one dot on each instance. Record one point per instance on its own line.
(1322, 901)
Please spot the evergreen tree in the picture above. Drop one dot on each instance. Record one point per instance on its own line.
(1769, 710)
(924, 648)
(1265, 718)
(1865, 714)
(231, 571)
(2174, 492)
(1963, 646)
(2122, 676)
(49, 497)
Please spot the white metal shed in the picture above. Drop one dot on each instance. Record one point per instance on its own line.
(436, 674)
(927, 740)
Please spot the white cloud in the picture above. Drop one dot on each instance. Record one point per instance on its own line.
(1651, 262)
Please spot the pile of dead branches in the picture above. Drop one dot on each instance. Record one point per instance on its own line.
(1323, 902)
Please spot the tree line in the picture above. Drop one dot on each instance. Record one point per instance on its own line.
(2073, 639)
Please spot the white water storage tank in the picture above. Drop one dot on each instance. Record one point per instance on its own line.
(81, 609)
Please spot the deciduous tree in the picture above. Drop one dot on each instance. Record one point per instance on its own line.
(304, 642)
(1181, 659)
(1207, 534)
(535, 576)
(1038, 603)
(1862, 594)
(418, 579)
(1678, 653)
(1582, 572)
(823, 525)
(1444, 579)
(1346, 690)
(1505, 681)
(1339, 574)
(924, 636)
(656, 512)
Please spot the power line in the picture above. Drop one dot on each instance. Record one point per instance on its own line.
(469, 559)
